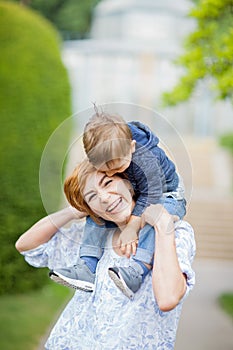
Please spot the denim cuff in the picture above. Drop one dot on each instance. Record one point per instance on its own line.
(143, 255)
(87, 250)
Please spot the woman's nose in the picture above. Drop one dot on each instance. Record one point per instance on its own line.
(104, 196)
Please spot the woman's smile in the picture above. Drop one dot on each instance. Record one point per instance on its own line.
(114, 206)
(109, 197)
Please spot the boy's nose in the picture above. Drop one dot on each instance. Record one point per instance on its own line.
(110, 173)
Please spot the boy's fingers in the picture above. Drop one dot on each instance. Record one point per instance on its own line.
(134, 248)
(128, 250)
(123, 248)
(119, 242)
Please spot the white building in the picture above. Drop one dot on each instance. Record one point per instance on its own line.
(129, 58)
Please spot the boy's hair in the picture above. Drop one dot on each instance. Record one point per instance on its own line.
(74, 186)
(106, 137)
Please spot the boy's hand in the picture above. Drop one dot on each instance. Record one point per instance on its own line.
(128, 241)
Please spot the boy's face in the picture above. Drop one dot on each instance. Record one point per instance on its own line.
(118, 165)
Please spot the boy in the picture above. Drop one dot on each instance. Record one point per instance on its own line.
(114, 146)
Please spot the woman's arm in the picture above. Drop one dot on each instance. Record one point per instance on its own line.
(169, 283)
(45, 228)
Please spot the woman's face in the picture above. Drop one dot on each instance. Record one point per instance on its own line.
(109, 197)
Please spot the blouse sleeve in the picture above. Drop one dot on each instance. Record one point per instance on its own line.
(186, 249)
(61, 250)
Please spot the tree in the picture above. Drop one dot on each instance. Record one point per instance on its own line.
(71, 17)
(208, 52)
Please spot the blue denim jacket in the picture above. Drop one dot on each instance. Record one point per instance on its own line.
(150, 172)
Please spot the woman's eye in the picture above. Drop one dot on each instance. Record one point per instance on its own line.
(91, 197)
(107, 182)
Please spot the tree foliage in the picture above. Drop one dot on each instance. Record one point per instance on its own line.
(34, 100)
(208, 52)
(71, 17)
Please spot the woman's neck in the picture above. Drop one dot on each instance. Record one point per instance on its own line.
(122, 225)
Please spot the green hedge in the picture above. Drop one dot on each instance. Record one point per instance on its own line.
(226, 302)
(226, 141)
(34, 100)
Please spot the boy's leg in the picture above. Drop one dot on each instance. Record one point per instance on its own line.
(82, 274)
(129, 279)
(91, 248)
(93, 241)
(174, 206)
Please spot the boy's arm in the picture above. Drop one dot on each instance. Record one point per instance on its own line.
(44, 229)
(149, 190)
(147, 175)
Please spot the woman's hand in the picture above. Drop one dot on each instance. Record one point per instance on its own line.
(45, 228)
(76, 213)
(158, 217)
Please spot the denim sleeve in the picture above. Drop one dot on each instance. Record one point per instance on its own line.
(147, 180)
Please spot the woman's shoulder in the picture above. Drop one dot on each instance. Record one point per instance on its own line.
(183, 226)
(185, 240)
(61, 250)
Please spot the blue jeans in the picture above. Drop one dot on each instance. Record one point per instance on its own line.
(146, 243)
(94, 236)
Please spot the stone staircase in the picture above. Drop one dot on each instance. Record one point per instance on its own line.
(210, 210)
(212, 221)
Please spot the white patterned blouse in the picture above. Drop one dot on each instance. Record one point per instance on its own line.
(105, 319)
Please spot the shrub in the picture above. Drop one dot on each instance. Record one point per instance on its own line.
(226, 141)
(226, 302)
(34, 100)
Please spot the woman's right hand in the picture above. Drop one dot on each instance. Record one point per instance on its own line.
(76, 213)
(44, 229)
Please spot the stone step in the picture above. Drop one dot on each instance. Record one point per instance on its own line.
(213, 251)
(210, 208)
(213, 225)
(216, 227)
(212, 165)
(223, 245)
(210, 227)
(213, 255)
(211, 237)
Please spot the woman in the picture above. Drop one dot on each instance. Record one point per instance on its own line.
(106, 319)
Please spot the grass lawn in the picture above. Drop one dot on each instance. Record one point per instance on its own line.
(226, 302)
(25, 318)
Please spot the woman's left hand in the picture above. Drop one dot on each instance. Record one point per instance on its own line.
(155, 214)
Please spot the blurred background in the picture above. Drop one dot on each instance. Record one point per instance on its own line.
(166, 63)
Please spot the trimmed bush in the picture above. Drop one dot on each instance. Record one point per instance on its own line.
(34, 100)
(226, 141)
